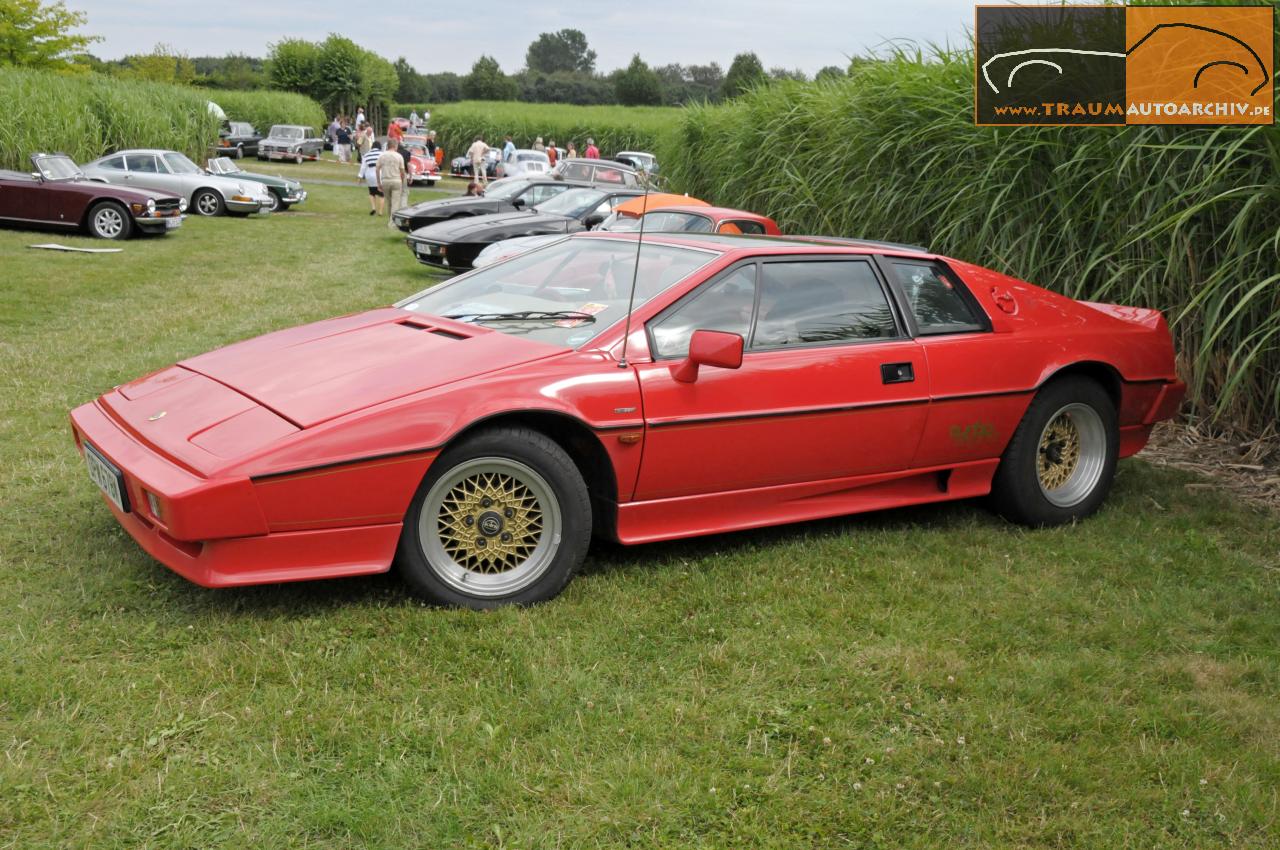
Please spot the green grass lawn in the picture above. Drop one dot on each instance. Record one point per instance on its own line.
(917, 678)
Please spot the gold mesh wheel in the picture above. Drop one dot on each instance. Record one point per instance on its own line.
(1071, 455)
(490, 526)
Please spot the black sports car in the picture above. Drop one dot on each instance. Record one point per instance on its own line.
(453, 245)
(238, 139)
(502, 196)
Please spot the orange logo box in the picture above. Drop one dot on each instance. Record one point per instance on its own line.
(1199, 65)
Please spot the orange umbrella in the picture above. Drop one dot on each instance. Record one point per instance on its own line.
(637, 206)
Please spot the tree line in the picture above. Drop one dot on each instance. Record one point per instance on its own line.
(560, 67)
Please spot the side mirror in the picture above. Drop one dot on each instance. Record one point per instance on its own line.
(592, 221)
(37, 176)
(709, 348)
(518, 203)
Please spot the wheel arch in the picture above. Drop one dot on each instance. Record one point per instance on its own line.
(1103, 374)
(580, 443)
(102, 199)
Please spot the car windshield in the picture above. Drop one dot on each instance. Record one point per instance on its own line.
(503, 189)
(179, 164)
(565, 293)
(287, 132)
(58, 168)
(223, 165)
(241, 129)
(532, 156)
(572, 203)
(677, 222)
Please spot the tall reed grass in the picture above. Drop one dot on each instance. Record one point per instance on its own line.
(615, 128)
(1186, 220)
(89, 115)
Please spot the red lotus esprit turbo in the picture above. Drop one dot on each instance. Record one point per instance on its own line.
(478, 433)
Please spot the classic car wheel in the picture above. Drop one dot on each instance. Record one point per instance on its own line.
(109, 220)
(207, 202)
(298, 159)
(239, 151)
(276, 204)
(1061, 461)
(502, 518)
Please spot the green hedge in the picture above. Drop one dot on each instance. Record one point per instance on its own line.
(264, 108)
(1186, 220)
(615, 128)
(88, 115)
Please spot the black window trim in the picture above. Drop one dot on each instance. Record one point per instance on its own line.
(890, 295)
(885, 262)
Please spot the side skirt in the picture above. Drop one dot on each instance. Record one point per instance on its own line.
(736, 510)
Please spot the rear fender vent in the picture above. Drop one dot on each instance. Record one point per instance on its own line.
(423, 326)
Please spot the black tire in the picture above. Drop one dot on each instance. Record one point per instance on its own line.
(1026, 488)
(277, 205)
(109, 220)
(550, 482)
(298, 159)
(208, 203)
(239, 151)
(283, 207)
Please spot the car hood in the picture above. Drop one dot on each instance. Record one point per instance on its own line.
(489, 228)
(454, 206)
(264, 179)
(313, 373)
(124, 193)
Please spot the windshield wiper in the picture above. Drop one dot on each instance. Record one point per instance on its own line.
(525, 316)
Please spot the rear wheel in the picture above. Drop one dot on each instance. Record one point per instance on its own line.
(207, 202)
(501, 518)
(109, 220)
(1062, 459)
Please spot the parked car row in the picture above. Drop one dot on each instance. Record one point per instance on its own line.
(140, 190)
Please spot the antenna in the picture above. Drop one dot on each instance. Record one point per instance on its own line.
(635, 273)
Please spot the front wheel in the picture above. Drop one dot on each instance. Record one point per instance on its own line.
(502, 518)
(239, 151)
(276, 204)
(109, 220)
(207, 202)
(1062, 459)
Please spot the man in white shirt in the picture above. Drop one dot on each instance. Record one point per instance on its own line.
(393, 179)
(476, 153)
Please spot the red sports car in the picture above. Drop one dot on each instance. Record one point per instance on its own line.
(478, 433)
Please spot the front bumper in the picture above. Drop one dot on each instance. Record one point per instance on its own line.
(294, 197)
(158, 224)
(440, 255)
(248, 207)
(214, 531)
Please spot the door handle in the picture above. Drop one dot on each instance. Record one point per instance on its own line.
(897, 373)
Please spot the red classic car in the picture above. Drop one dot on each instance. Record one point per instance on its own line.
(57, 194)
(422, 165)
(478, 433)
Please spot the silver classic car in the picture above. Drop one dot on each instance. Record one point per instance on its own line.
(291, 141)
(172, 173)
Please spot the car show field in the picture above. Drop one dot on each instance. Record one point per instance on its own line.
(910, 678)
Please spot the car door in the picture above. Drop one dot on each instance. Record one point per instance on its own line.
(830, 386)
(144, 171)
(23, 198)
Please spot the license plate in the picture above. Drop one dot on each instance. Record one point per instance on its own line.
(109, 480)
(171, 223)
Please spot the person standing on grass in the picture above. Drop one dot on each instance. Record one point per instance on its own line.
(360, 116)
(369, 174)
(572, 152)
(342, 144)
(413, 119)
(394, 133)
(592, 152)
(392, 178)
(539, 146)
(552, 153)
(331, 133)
(363, 141)
(508, 149)
(431, 143)
(476, 153)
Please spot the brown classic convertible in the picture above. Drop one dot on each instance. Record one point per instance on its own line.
(57, 194)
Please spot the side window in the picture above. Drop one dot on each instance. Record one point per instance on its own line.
(753, 228)
(141, 163)
(608, 175)
(723, 306)
(116, 163)
(576, 171)
(824, 301)
(934, 299)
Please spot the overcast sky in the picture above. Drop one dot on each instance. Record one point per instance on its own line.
(448, 35)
